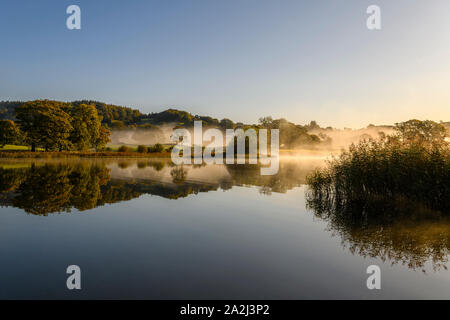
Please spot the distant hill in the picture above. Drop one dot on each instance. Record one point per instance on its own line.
(7, 109)
(119, 117)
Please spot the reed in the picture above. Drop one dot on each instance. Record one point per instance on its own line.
(383, 172)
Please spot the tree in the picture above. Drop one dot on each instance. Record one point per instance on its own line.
(266, 122)
(45, 123)
(109, 112)
(312, 125)
(156, 148)
(142, 149)
(102, 138)
(86, 126)
(118, 125)
(421, 133)
(226, 124)
(9, 132)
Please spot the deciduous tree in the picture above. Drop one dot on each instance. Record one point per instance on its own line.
(45, 123)
(9, 132)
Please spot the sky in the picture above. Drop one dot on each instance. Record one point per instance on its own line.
(237, 59)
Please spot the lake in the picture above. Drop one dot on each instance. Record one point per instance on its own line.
(144, 228)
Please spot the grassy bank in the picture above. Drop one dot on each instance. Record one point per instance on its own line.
(11, 147)
(16, 154)
(156, 151)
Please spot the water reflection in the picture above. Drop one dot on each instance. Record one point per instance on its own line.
(47, 188)
(50, 186)
(410, 236)
(401, 232)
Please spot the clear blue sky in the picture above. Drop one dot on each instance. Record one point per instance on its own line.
(302, 60)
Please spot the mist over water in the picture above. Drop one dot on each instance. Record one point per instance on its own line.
(342, 138)
(159, 134)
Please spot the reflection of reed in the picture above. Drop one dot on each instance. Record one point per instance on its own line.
(401, 233)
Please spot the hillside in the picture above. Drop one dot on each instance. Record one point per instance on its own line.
(119, 117)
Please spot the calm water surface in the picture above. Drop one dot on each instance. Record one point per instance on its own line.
(148, 229)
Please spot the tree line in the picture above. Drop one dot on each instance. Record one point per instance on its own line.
(116, 117)
(55, 126)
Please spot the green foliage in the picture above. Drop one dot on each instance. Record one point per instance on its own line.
(117, 125)
(208, 121)
(102, 138)
(291, 135)
(266, 122)
(171, 116)
(142, 149)
(9, 133)
(106, 112)
(313, 125)
(46, 124)
(226, 124)
(60, 126)
(110, 112)
(427, 134)
(120, 118)
(157, 148)
(124, 149)
(86, 126)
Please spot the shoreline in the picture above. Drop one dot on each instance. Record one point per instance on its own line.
(26, 154)
(79, 154)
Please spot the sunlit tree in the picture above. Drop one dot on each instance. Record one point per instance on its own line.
(9, 132)
(46, 124)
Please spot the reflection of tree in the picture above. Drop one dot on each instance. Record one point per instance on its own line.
(178, 174)
(46, 189)
(289, 176)
(157, 165)
(123, 164)
(54, 187)
(58, 187)
(118, 190)
(142, 164)
(86, 181)
(402, 234)
(11, 179)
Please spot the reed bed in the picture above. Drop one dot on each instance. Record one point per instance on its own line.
(378, 174)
